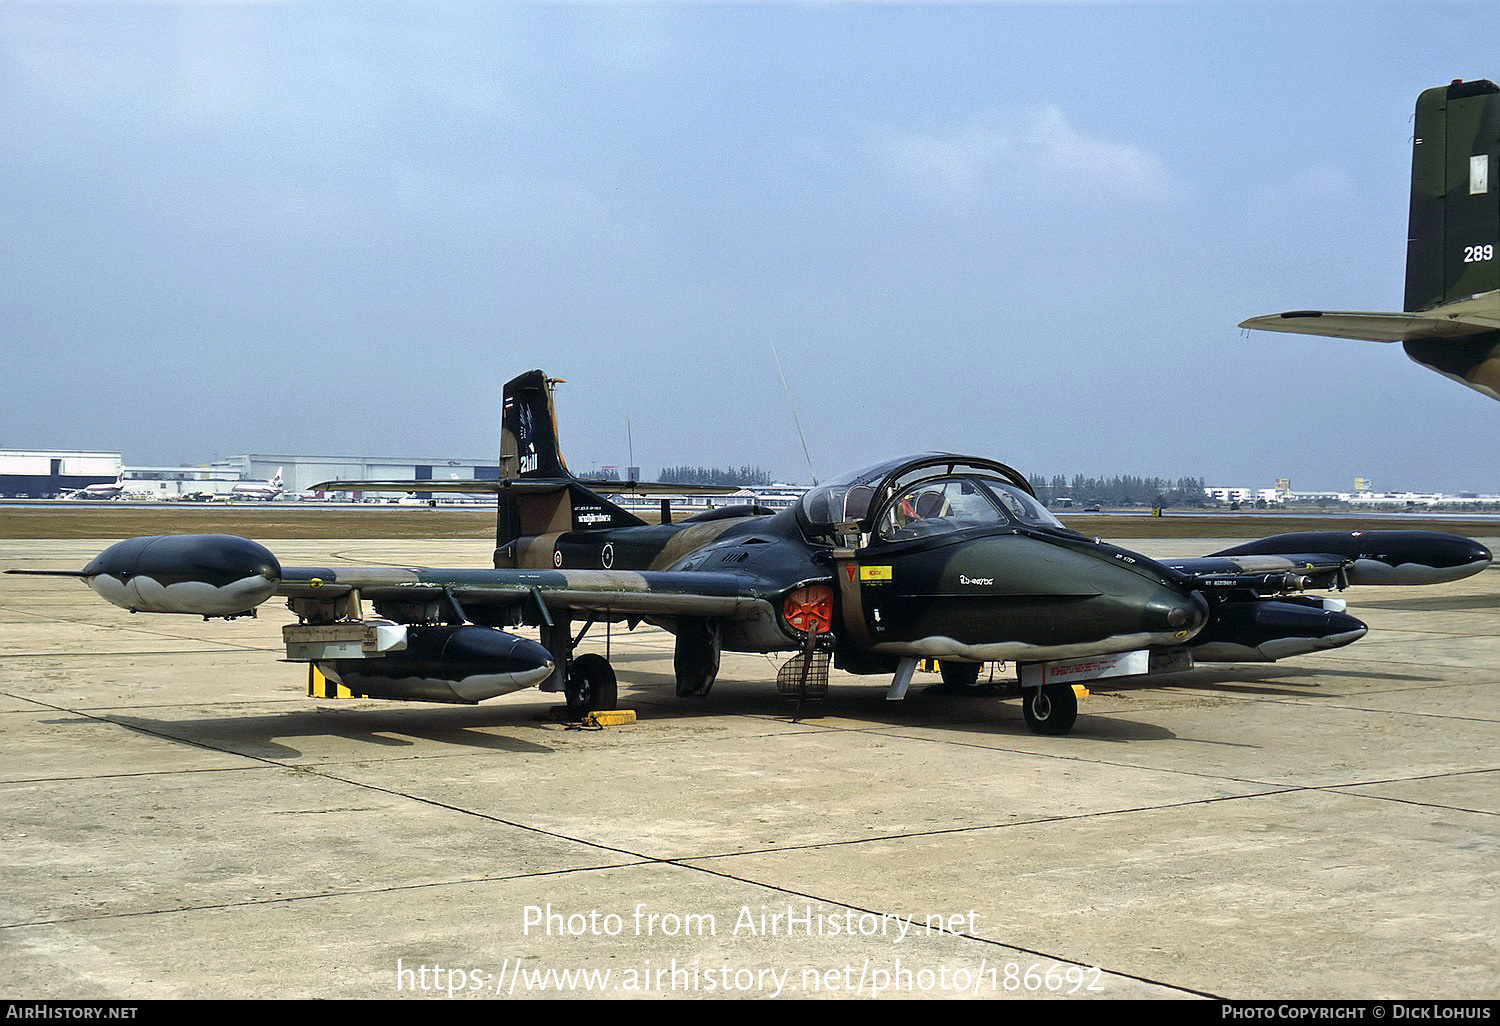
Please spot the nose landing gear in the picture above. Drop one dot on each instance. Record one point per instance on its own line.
(1050, 709)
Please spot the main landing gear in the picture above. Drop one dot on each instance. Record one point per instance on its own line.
(587, 681)
(591, 686)
(695, 657)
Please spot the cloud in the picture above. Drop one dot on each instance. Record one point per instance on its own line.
(1041, 152)
(1316, 184)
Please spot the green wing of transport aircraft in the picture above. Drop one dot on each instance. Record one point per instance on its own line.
(927, 556)
(1451, 317)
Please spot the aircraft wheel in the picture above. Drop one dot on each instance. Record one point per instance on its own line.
(695, 659)
(958, 675)
(591, 686)
(1051, 709)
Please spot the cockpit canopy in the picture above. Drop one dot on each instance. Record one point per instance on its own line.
(923, 494)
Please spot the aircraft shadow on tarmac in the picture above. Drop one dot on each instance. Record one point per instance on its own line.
(1486, 603)
(266, 737)
(1284, 681)
(990, 712)
(270, 736)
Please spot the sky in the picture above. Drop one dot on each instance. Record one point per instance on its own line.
(1021, 230)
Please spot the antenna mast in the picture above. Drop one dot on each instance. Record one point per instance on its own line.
(793, 407)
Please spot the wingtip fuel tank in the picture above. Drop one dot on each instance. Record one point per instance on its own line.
(199, 574)
(1380, 557)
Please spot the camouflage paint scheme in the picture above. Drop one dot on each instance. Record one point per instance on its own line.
(1054, 602)
(1450, 321)
(934, 555)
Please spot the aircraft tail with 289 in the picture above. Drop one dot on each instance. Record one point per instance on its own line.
(1450, 321)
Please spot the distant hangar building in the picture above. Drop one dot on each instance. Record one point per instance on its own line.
(43, 473)
(299, 472)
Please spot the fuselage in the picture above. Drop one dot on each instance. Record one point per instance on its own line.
(98, 491)
(1005, 591)
(1469, 361)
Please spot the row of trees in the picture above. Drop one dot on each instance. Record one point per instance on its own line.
(732, 476)
(1121, 490)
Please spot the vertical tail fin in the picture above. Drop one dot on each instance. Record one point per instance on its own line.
(529, 452)
(528, 430)
(1454, 231)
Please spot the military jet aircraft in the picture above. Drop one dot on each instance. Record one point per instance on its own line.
(934, 555)
(1451, 318)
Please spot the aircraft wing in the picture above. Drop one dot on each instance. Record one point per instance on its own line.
(541, 485)
(225, 575)
(632, 592)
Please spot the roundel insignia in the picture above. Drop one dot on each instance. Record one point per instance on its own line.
(557, 557)
(607, 557)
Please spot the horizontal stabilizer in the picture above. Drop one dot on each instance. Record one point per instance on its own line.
(450, 485)
(526, 485)
(1461, 319)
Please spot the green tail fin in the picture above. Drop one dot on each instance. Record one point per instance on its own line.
(1453, 243)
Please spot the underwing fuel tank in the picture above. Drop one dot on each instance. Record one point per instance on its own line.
(461, 665)
(200, 574)
(1265, 631)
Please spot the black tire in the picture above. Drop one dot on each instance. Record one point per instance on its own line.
(695, 656)
(957, 676)
(1051, 709)
(591, 686)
